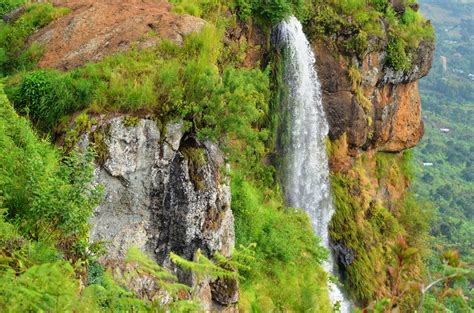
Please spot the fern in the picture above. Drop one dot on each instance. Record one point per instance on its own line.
(202, 267)
(145, 265)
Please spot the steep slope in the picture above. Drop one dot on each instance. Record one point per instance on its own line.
(374, 111)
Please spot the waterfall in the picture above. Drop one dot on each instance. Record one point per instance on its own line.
(305, 165)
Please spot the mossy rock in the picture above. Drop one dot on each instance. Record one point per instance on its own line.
(197, 159)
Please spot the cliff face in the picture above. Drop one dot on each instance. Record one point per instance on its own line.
(393, 122)
(165, 191)
(374, 113)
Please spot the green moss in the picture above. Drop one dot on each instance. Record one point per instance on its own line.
(82, 124)
(131, 121)
(407, 166)
(384, 161)
(357, 44)
(98, 139)
(397, 56)
(197, 159)
(355, 77)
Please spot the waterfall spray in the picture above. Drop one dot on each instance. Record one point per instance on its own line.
(306, 170)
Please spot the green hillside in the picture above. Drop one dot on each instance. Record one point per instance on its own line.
(448, 112)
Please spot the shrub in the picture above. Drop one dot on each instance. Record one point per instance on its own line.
(286, 274)
(379, 5)
(397, 57)
(7, 6)
(349, 7)
(358, 44)
(48, 95)
(207, 9)
(36, 186)
(271, 12)
(409, 16)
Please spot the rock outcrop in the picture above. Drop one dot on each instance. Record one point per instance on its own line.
(95, 29)
(165, 191)
(393, 122)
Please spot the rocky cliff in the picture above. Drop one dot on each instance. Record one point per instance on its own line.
(374, 113)
(165, 191)
(392, 122)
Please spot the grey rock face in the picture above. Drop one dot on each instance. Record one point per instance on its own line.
(157, 198)
(420, 68)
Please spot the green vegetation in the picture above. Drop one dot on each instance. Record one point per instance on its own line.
(196, 158)
(9, 5)
(46, 202)
(47, 197)
(448, 100)
(285, 274)
(365, 20)
(369, 228)
(58, 193)
(207, 9)
(269, 13)
(48, 95)
(13, 52)
(200, 83)
(356, 80)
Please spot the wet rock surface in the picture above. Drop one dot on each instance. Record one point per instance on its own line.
(152, 200)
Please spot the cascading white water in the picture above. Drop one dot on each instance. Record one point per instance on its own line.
(305, 161)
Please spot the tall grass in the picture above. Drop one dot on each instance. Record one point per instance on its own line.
(14, 54)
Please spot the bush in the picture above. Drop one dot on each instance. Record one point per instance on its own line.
(397, 57)
(379, 5)
(409, 16)
(207, 9)
(36, 186)
(286, 274)
(48, 95)
(271, 12)
(7, 6)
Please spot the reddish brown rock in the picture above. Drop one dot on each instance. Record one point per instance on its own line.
(95, 29)
(392, 120)
(399, 125)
